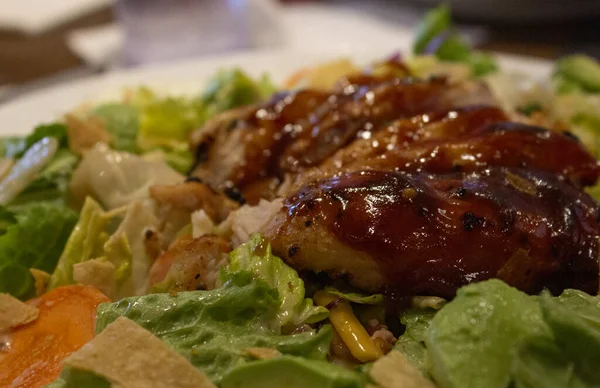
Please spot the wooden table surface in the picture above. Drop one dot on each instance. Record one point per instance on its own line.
(26, 58)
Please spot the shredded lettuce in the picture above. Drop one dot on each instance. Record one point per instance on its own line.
(33, 238)
(255, 257)
(214, 328)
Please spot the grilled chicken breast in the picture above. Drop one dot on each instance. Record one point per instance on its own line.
(411, 186)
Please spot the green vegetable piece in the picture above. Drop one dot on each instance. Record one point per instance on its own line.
(56, 130)
(412, 342)
(7, 218)
(563, 85)
(454, 49)
(482, 63)
(355, 297)
(541, 363)
(35, 240)
(84, 243)
(255, 257)
(433, 23)
(15, 279)
(574, 317)
(214, 328)
(230, 89)
(122, 122)
(586, 126)
(168, 119)
(291, 372)
(581, 70)
(473, 339)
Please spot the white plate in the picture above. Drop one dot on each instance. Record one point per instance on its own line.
(21, 115)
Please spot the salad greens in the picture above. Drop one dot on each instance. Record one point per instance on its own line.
(436, 35)
(493, 335)
(219, 325)
(490, 335)
(84, 243)
(32, 238)
(255, 257)
(292, 372)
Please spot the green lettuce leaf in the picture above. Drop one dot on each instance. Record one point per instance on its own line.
(84, 243)
(255, 257)
(233, 88)
(437, 24)
(214, 328)
(577, 73)
(574, 318)
(356, 297)
(34, 238)
(57, 130)
(292, 372)
(412, 342)
(122, 122)
(542, 363)
(472, 340)
(52, 182)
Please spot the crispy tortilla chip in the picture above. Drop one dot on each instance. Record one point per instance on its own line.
(129, 356)
(263, 353)
(14, 313)
(98, 273)
(395, 371)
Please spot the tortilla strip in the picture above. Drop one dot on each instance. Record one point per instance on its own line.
(99, 273)
(129, 356)
(395, 371)
(14, 313)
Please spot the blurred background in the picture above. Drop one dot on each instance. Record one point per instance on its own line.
(45, 42)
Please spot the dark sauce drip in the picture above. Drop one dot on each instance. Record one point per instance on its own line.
(495, 231)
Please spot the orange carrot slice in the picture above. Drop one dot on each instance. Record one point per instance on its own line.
(31, 355)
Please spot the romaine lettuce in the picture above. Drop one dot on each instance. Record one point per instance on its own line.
(84, 243)
(412, 342)
(34, 238)
(122, 122)
(214, 328)
(255, 257)
(292, 372)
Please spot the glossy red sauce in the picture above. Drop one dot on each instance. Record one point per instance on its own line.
(432, 234)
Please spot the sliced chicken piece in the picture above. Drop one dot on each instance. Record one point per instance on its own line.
(301, 129)
(190, 264)
(431, 234)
